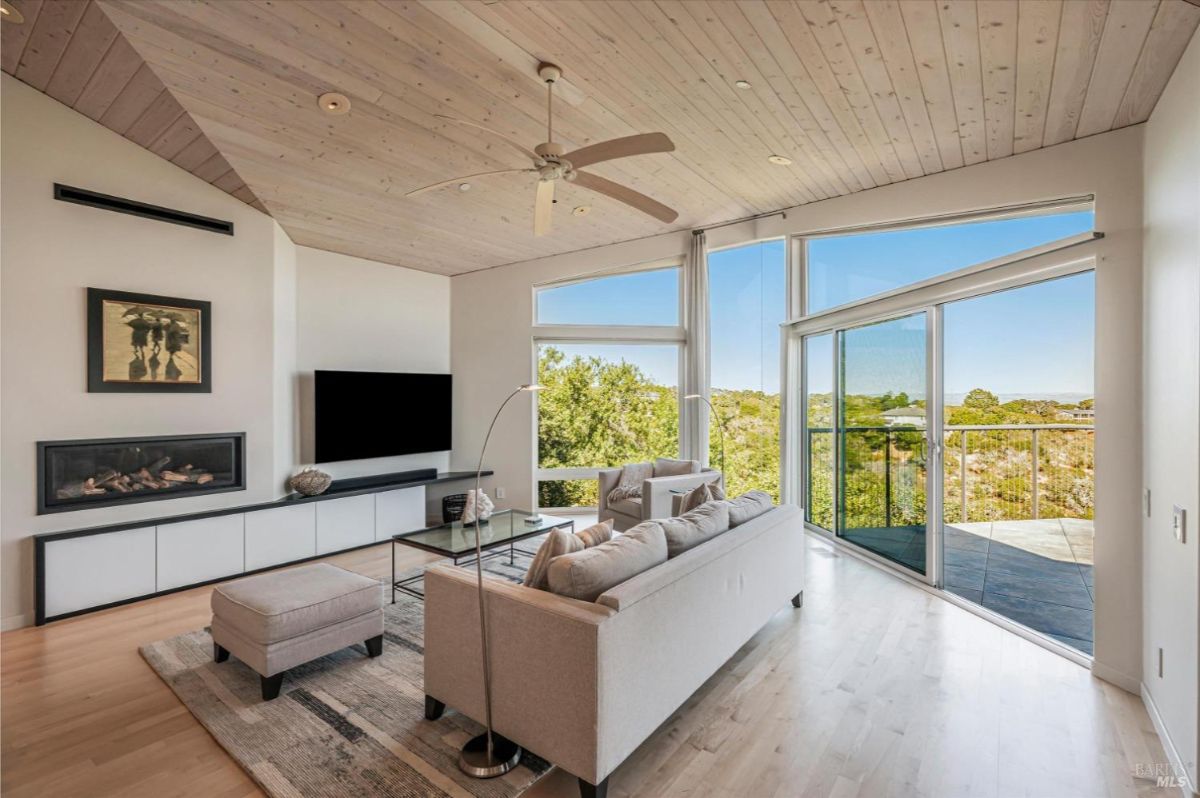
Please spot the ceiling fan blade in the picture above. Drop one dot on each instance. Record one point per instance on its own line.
(634, 199)
(542, 207)
(641, 144)
(453, 180)
(521, 148)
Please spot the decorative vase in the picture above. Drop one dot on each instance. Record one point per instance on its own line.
(310, 481)
(477, 506)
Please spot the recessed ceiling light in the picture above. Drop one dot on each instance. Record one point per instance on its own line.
(9, 13)
(464, 186)
(781, 160)
(581, 210)
(742, 84)
(333, 103)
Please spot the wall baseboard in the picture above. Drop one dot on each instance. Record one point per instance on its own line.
(1113, 676)
(1187, 788)
(15, 622)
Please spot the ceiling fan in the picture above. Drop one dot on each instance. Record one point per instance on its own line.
(551, 164)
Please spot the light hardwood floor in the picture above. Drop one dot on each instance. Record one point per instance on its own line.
(875, 688)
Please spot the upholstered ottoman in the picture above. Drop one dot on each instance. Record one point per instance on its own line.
(279, 620)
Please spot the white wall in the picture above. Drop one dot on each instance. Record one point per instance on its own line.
(52, 252)
(279, 311)
(492, 330)
(1171, 421)
(359, 315)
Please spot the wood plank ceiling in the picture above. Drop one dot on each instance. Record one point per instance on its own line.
(70, 50)
(858, 93)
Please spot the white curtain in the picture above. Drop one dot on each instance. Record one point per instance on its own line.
(693, 420)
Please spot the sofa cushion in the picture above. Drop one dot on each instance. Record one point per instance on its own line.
(560, 542)
(586, 574)
(748, 506)
(694, 527)
(666, 467)
(279, 605)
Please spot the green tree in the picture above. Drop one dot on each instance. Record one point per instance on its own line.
(979, 399)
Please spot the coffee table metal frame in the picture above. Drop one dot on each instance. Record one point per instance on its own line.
(495, 549)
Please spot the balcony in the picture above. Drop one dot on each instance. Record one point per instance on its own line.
(1018, 504)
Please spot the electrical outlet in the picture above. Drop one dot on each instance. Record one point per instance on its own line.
(1179, 523)
(499, 493)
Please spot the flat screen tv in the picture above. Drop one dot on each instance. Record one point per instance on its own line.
(363, 414)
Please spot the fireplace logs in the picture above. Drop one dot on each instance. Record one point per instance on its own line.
(79, 474)
(155, 476)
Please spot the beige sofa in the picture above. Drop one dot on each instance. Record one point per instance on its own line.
(582, 684)
(655, 501)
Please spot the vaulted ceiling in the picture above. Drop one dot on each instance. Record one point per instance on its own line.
(857, 93)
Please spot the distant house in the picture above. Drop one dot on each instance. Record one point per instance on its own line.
(904, 417)
(1077, 414)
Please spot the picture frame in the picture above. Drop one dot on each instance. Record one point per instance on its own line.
(145, 343)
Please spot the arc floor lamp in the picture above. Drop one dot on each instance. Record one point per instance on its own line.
(488, 755)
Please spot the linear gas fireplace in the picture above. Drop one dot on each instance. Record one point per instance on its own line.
(74, 475)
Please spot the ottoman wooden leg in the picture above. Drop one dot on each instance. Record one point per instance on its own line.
(375, 646)
(219, 654)
(271, 686)
(433, 708)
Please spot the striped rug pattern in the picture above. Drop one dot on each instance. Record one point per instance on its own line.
(344, 724)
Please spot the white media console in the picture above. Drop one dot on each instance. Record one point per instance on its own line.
(90, 569)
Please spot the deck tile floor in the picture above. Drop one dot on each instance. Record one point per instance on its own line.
(1037, 573)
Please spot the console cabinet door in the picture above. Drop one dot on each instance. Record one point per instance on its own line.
(280, 535)
(95, 570)
(398, 511)
(345, 523)
(200, 550)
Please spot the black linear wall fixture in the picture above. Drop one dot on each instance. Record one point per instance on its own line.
(94, 199)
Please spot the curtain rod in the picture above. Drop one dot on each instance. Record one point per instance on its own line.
(918, 220)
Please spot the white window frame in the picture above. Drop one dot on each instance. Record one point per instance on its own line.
(604, 335)
(1068, 256)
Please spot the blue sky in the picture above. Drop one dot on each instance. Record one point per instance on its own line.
(1035, 341)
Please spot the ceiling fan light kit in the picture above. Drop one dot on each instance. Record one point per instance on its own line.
(552, 163)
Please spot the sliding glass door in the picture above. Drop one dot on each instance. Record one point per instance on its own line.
(882, 444)
(867, 437)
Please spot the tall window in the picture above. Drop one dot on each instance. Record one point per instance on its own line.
(608, 353)
(604, 405)
(845, 268)
(748, 302)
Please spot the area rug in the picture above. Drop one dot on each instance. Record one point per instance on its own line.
(344, 724)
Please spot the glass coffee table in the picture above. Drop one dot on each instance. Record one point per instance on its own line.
(456, 541)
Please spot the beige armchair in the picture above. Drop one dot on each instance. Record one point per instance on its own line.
(656, 498)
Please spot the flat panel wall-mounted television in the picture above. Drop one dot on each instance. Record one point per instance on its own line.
(364, 414)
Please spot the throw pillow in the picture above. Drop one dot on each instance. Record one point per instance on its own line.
(666, 467)
(707, 492)
(747, 506)
(586, 574)
(691, 529)
(630, 484)
(560, 542)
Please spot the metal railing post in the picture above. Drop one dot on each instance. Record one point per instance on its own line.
(962, 475)
(1034, 453)
(887, 478)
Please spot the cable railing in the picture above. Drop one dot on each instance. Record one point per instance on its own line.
(992, 472)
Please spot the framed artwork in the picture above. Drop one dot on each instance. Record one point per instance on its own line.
(141, 343)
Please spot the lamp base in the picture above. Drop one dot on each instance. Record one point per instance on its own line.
(474, 760)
